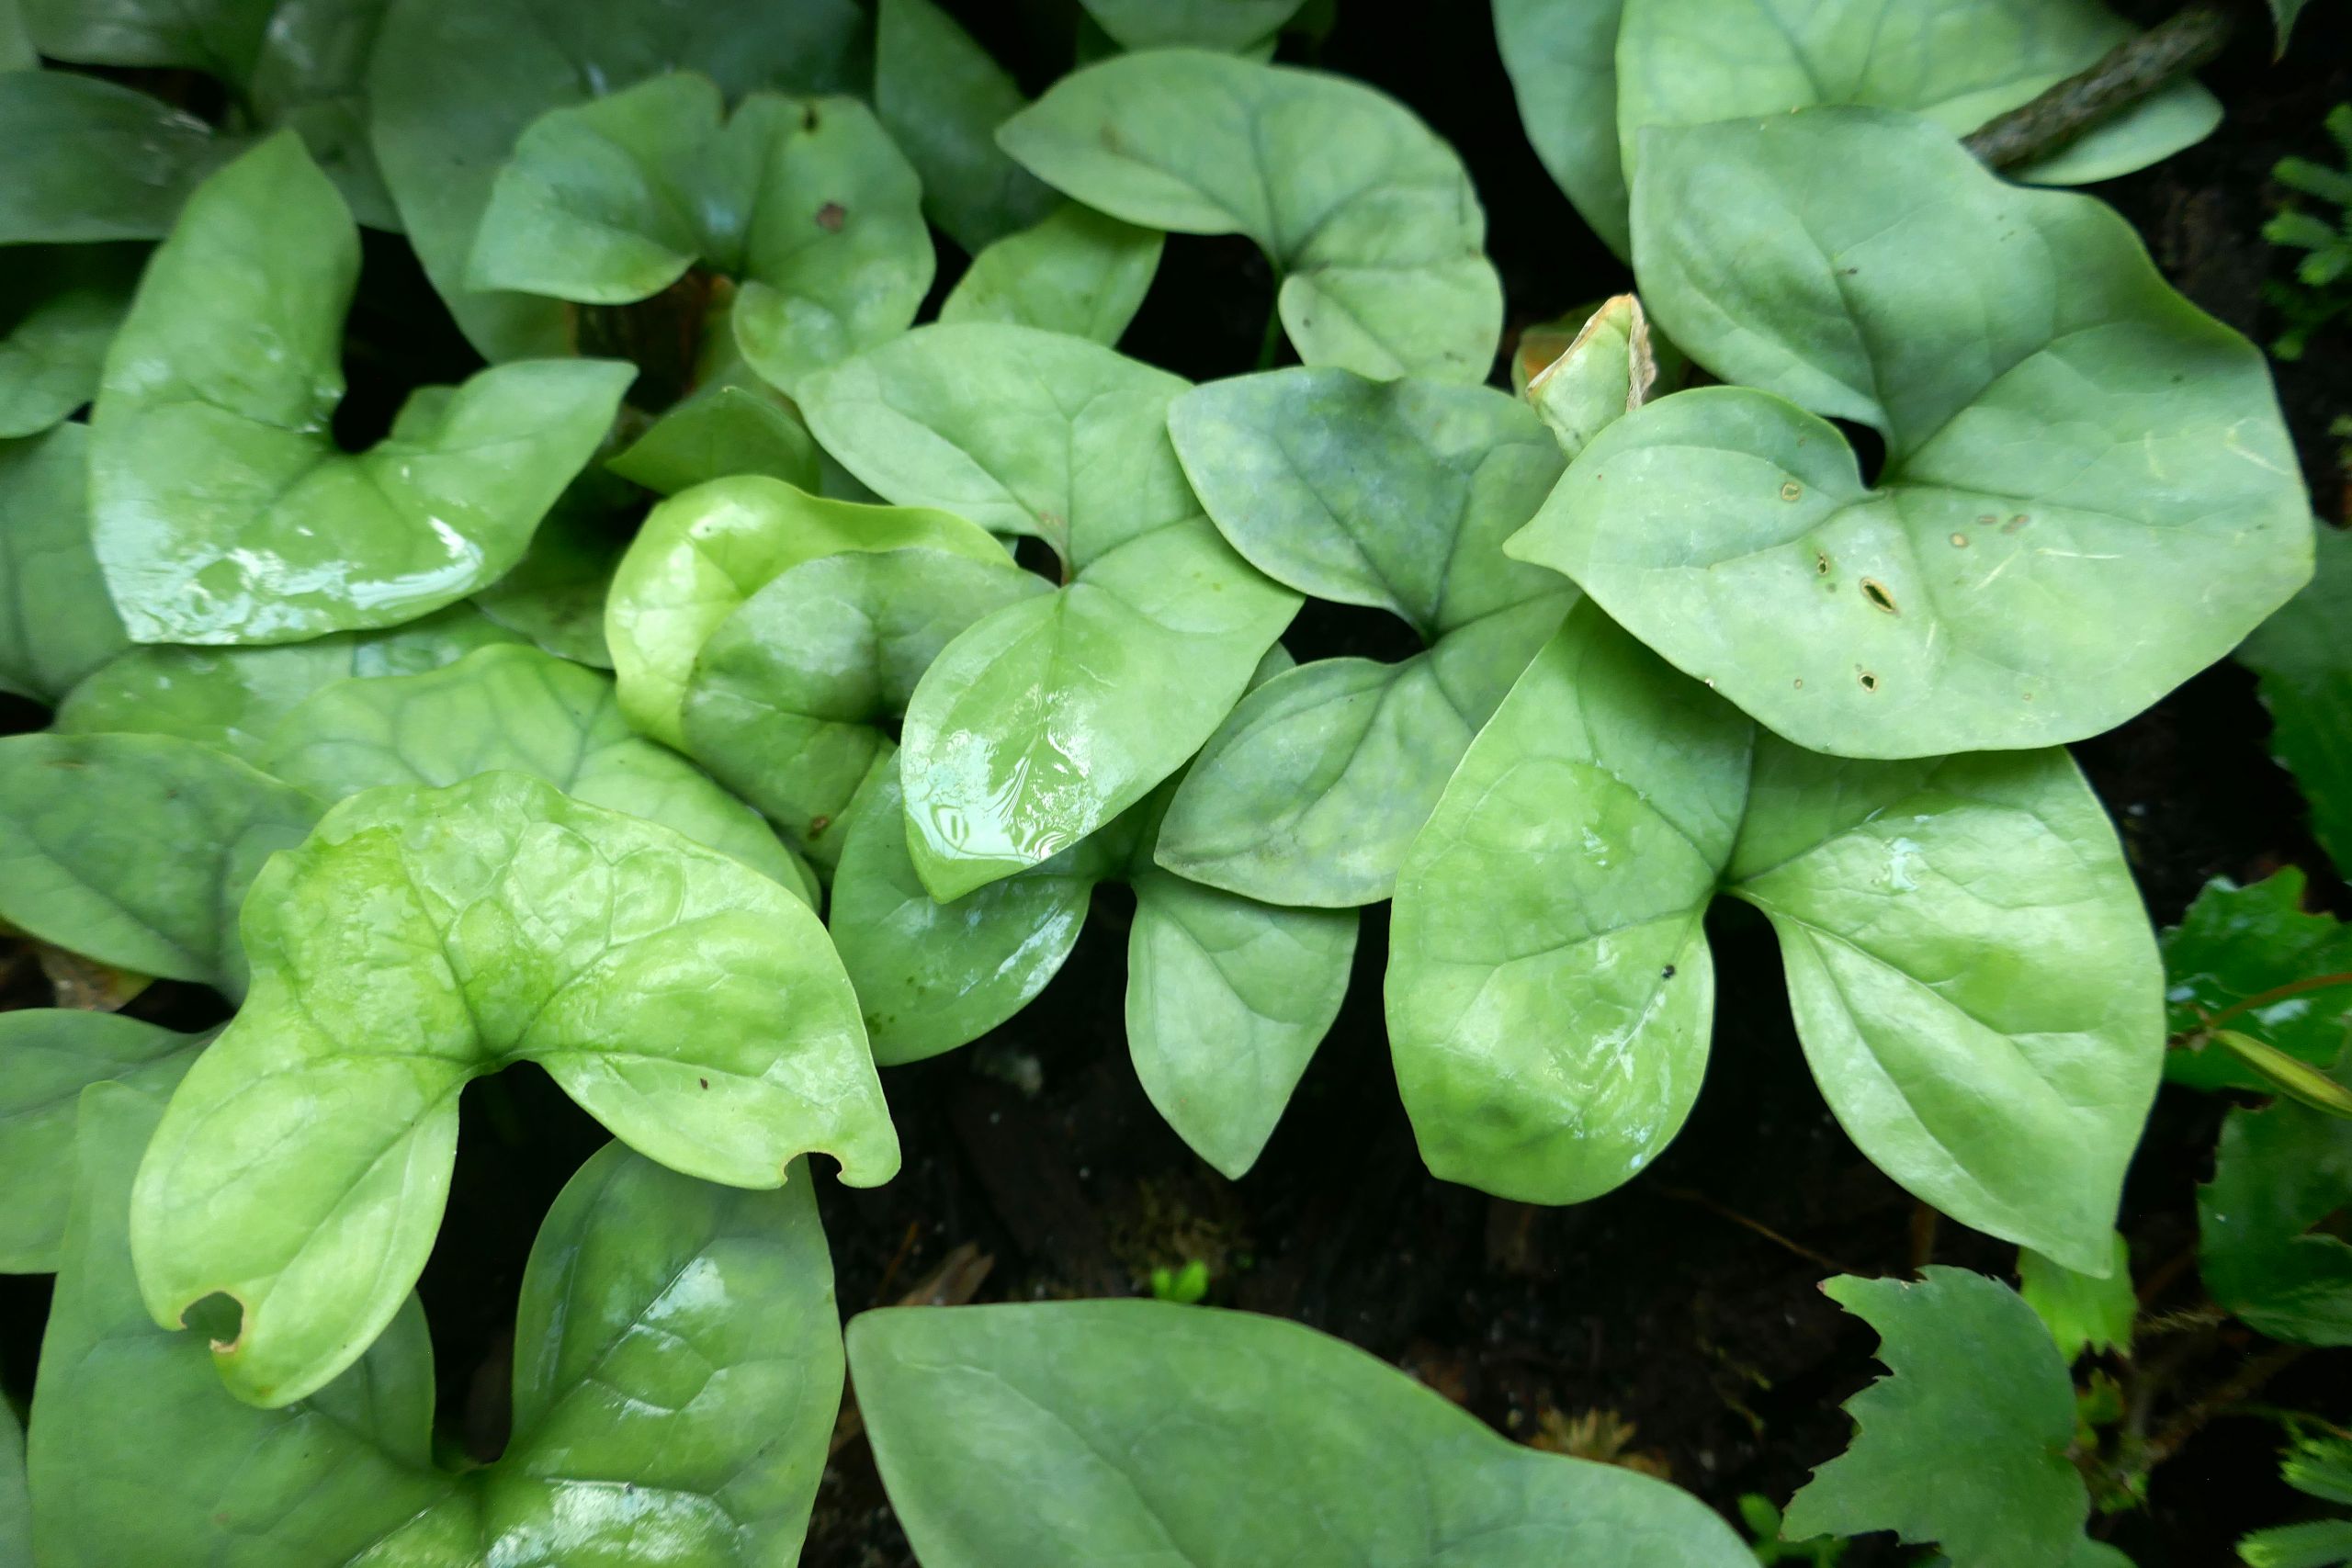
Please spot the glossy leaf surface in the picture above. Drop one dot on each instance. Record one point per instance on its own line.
(56, 622)
(804, 203)
(690, 1004)
(2307, 685)
(59, 308)
(519, 710)
(137, 850)
(678, 1367)
(52, 1056)
(1368, 216)
(2238, 942)
(1972, 973)
(1073, 271)
(2263, 1245)
(1167, 1433)
(942, 97)
(223, 511)
(1396, 496)
(453, 84)
(1975, 1395)
(2087, 493)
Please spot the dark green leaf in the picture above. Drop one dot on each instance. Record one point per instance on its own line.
(59, 309)
(56, 622)
(942, 98)
(2236, 942)
(2307, 684)
(2277, 1176)
(92, 160)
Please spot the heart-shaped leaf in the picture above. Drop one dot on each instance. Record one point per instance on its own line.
(2076, 463)
(52, 1054)
(1395, 495)
(223, 511)
(702, 553)
(453, 85)
(57, 625)
(1368, 216)
(804, 203)
(677, 1373)
(59, 309)
(1973, 978)
(517, 709)
(1074, 271)
(233, 699)
(137, 850)
(1186, 1434)
(689, 1003)
(1965, 1356)
(93, 159)
(2263, 1245)
(942, 97)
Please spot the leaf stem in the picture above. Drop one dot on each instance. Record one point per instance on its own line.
(2130, 71)
(2276, 994)
(1270, 343)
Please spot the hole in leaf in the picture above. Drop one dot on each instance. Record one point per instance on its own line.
(1325, 630)
(1875, 592)
(1869, 682)
(219, 1317)
(1032, 554)
(1869, 448)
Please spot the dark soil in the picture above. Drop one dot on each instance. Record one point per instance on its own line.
(1686, 1304)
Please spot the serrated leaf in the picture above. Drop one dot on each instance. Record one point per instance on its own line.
(2277, 1175)
(2089, 459)
(223, 510)
(1186, 1434)
(1369, 218)
(1976, 1397)
(691, 1004)
(2081, 1312)
(57, 625)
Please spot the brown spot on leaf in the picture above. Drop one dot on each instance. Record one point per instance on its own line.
(1869, 682)
(1875, 592)
(1960, 541)
(830, 217)
(704, 1082)
(817, 825)
(2014, 523)
(1792, 490)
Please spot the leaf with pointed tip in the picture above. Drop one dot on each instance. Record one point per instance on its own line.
(2081, 1312)
(689, 1003)
(57, 624)
(2262, 1247)
(1562, 56)
(1073, 271)
(1185, 1434)
(704, 551)
(1368, 216)
(52, 1054)
(2307, 685)
(1396, 495)
(1973, 976)
(1605, 372)
(789, 696)
(1228, 24)
(2284, 13)
(731, 423)
(233, 699)
(2236, 942)
(520, 710)
(453, 84)
(91, 160)
(222, 511)
(1976, 1396)
(1960, 63)
(2089, 495)
(137, 850)
(804, 203)
(61, 308)
(678, 1370)
(942, 97)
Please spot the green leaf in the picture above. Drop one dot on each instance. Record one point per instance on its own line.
(2284, 13)
(731, 423)
(942, 97)
(2323, 1543)
(1228, 24)
(16, 1505)
(223, 511)
(2236, 942)
(1976, 1398)
(233, 699)
(2081, 1312)
(702, 553)
(805, 203)
(1605, 372)
(1045, 720)
(1958, 62)
(59, 308)
(52, 1054)
(2318, 1467)
(789, 696)
(56, 622)
(16, 53)
(91, 160)
(555, 595)
(2306, 682)
(2088, 459)
(517, 709)
(1972, 973)
(1395, 495)
(692, 1005)
(1186, 1434)
(137, 850)
(1073, 271)
(677, 1373)
(1562, 56)
(2278, 1175)
(453, 85)
(1369, 218)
